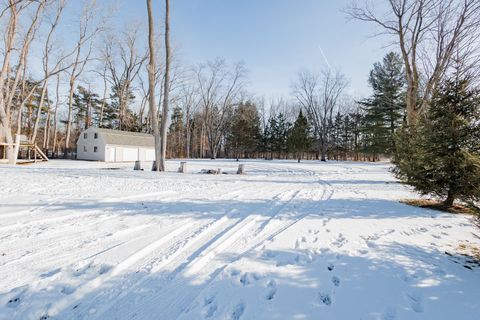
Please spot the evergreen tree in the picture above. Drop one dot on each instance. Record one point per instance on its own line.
(375, 132)
(346, 136)
(356, 123)
(337, 132)
(86, 104)
(384, 111)
(440, 155)
(109, 118)
(279, 128)
(245, 135)
(129, 119)
(299, 139)
(176, 133)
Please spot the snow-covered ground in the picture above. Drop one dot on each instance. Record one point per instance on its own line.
(86, 240)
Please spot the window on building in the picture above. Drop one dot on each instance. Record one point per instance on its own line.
(84, 148)
(95, 135)
(84, 135)
(95, 149)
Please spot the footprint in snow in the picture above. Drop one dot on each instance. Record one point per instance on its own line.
(389, 314)
(330, 267)
(336, 281)
(209, 307)
(339, 241)
(248, 278)
(271, 290)
(15, 296)
(238, 311)
(325, 299)
(299, 241)
(67, 290)
(50, 273)
(415, 301)
(271, 294)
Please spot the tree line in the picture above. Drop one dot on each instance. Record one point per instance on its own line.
(121, 79)
(102, 78)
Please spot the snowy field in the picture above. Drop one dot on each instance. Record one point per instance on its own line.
(85, 240)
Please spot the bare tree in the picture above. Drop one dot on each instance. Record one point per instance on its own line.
(124, 62)
(166, 88)
(189, 102)
(151, 87)
(13, 11)
(20, 72)
(47, 68)
(319, 96)
(55, 115)
(88, 30)
(219, 89)
(427, 33)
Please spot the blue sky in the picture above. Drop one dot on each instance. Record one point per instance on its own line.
(275, 38)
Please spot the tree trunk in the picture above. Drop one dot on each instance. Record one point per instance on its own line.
(69, 118)
(151, 87)
(166, 87)
(39, 112)
(450, 199)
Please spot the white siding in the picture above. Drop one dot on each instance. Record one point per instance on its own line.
(109, 153)
(150, 155)
(86, 146)
(130, 154)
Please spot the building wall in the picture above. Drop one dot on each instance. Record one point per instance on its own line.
(109, 153)
(86, 146)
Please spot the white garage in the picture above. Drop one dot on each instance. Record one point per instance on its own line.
(115, 146)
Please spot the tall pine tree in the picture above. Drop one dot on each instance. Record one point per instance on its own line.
(299, 139)
(384, 111)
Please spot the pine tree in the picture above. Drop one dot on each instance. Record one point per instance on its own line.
(126, 119)
(299, 140)
(279, 134)
(245, 135)
(86, 104)
(440, 155)
(384, 111)
(176, 132)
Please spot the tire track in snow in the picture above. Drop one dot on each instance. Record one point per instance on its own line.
(130, 261)
(176, 296)
(204, 249)
(182, 257)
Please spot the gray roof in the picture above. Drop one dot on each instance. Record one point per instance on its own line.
(126, 138)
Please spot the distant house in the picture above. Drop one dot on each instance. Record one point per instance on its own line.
(115, 145)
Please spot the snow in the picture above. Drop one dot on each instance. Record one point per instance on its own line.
(87, 240)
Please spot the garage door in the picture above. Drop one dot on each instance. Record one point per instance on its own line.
(110, 154)
(130, 154)
(150, 155)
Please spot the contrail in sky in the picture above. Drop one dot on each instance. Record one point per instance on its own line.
(324, 57)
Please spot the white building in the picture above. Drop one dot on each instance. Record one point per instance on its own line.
(115, 145)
